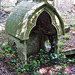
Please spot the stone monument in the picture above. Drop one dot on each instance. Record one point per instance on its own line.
(30, 24)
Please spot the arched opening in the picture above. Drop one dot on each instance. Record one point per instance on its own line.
(46, 32)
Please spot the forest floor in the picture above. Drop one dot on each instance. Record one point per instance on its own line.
(68, 17)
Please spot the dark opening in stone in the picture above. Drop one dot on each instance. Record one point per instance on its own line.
(45, 31)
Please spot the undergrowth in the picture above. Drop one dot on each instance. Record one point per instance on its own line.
(34, 62)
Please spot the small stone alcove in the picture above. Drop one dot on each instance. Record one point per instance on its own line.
(45, 31)
(30, 24)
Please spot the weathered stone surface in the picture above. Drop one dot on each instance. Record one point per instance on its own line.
(24, 18)
(8, 2)
(69, 52)
(32, 23)
(18, 1)
(8, 10)
(67, 29)
(73, 32)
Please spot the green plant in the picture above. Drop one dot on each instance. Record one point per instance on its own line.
(64, 41)
(66, 37)
(62, 56)
(58, 72)
(63, 65)
(48, 41)
(66, 44)
(34, 62)
(2, 51)
(70, 45)
(72, 25)
(4, 46)
(59, 49)
(32, 66)
(71, 60)
(6, 50)
(9, 56)
(61, 43)
(53, 58)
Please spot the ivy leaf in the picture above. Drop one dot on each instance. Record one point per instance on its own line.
(2, 51)
(6, 50)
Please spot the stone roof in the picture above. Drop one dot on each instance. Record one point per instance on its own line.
(21, 20)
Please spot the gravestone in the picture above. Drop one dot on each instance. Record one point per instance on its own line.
(30, 24)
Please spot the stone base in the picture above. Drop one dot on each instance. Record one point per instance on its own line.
(29, 47)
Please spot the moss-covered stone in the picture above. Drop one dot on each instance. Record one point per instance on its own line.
(30, 23)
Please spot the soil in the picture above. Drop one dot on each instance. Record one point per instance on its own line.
(70, 43)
